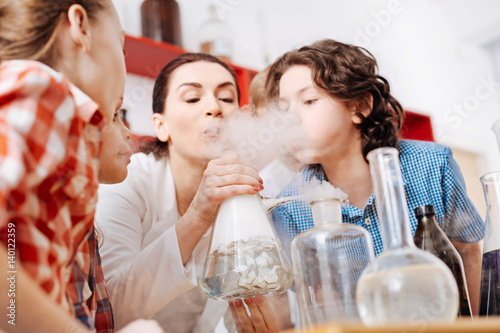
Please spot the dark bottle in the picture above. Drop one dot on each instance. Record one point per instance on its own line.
(489, 294)
(489, 298)
(161, 21)
(431, 238)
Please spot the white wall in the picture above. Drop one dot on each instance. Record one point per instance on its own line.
(138, 101)
(432, 52)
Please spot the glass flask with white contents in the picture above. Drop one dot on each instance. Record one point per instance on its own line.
(246, 257)
(327, 262)
(404, 285)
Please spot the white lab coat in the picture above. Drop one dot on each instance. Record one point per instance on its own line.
(140, 253)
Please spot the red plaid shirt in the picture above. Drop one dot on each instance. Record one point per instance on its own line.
(88, 288)
(49, 149)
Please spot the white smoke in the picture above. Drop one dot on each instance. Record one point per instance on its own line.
(259, 139)
(315, 190)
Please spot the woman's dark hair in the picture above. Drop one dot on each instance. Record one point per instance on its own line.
(346, 72)
(160, 92)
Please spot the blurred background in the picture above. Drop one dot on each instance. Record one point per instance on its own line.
(441, 57)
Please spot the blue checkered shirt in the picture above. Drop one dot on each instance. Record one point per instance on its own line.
(430, 176)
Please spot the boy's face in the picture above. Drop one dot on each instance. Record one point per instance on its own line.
(116, 151)
(327, 123)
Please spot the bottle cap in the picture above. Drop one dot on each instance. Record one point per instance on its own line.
(424, 210)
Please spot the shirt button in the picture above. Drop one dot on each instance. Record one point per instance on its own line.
(368, 221)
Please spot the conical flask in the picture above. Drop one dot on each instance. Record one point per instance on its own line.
(245, 258)
(327, 262)
(404, 285)
(489, 300)
(429, 237)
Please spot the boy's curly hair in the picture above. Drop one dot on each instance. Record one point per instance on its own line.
(348, 73)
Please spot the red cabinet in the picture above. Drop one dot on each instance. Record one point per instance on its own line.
(416, 126)
(147, 57)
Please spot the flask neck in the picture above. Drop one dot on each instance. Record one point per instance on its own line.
(326, 211)
(213, 14)
(491, 189)
(426, 225)
(390, 198)
(427, 221)
(496, 129)
(424, 221)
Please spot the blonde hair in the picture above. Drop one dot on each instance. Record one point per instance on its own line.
(28, 28)
(258, 88)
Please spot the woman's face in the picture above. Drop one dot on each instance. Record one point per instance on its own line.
(327, 123)
(116, 151)
(200, 95)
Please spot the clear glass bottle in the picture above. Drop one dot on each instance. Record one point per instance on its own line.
(160, 20)
(327, 262)
(246, 257)
(429, 237)
(496, 129)
(215, 36)
(403, 285)
(489, 300)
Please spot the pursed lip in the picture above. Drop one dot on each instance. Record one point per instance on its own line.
(127, 154)
(212, 132)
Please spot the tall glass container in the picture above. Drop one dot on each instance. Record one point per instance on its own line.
(429, 237)
(404, 284)
(245, 258)
(489, 301)
(215, 36)
(496, 129)
(160, 20)
(327, 262)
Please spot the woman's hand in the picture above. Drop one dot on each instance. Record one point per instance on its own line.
(224, 178)
(261, 319)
